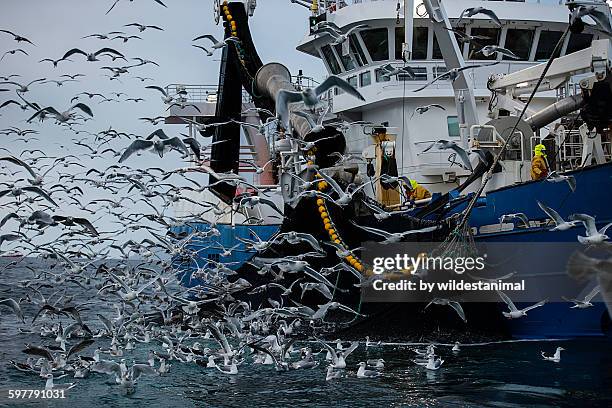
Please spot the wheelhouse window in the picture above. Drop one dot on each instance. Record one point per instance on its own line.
(347, 60)
(357, 50)
(380, 77)
(365, 78)
(519, 41)
(419, 42)
(546, 44)
(420, 74)
(376, 41)
(578, 42)
(437, 52)
(352, 80)
(439, 70)
(492, 35)
(452, 123)
(330, 59)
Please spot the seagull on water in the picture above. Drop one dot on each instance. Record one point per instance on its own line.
(555, 357)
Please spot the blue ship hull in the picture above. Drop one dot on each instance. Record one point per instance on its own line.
(593, 196)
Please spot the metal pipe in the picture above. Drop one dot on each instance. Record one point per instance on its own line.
(555, 111)
(272, 78)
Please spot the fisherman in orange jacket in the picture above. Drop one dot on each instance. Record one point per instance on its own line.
(417, 191)
(539, 165)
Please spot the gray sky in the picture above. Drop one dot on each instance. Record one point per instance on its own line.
(57, 26)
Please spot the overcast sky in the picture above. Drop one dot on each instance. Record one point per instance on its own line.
(59, 25)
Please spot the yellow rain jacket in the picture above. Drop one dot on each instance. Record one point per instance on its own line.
(418, 192)
(539, 168)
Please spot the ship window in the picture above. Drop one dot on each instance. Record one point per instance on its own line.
(377, 43)
(357, 50)
(519, 42)
(420, 74)
(493, 39)
(331, 60)
(379, 75)
(365, 78)
(453, 126)
(546, 44)
(352, 80)
(347, 60)
(578, 42)
(437, 52)
(439, 70)
(419, 42)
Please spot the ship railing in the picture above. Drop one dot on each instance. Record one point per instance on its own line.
(570, 148)
(496, 141)
(199, 93)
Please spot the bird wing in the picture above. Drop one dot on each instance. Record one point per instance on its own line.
(38, 351)
(207, 36)
(159, 133)
(72, 52)
(139, 369)
(352, 348)
(79, 346)
(333, 81)
(317, 276)
(605, 228)
(588, 221)
(310, 239)
(306, 116)
(592, 293)
(457, 306)
(492, 15)
(194, 145)
(283, 99)
(462, 155)
(332, 183)
(540, 303)
(220, 337)
(551, 213)
(157, 88)
(40, 192)
(422, 230)
(107, 367)
(13, 305)
(507, 301)
(109, 51)
(18, 162)
(331, 351)
(375, 231)
(137, 145)
(83, 108)
(177, 143)
(48, 109)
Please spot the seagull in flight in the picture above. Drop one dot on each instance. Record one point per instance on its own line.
(513, 312)
(555, 177)
(489, 50)
(131, 1)
(216, 44)
(453, 74)
(593, 235)
(391, 238)
(452, 303)
(461, 153)
(16, 37)
(92, 56)
(310, 96)
(586, 302)
(560, 223)
(422, 109)
(472, 11)
(62, 117)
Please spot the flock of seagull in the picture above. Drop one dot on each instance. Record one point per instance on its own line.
(205, 325)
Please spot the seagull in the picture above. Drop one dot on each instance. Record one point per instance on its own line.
(23, 88)
(446, 302)
(93, 56)
(593, 235)
(338, 36)
(331, 374)
(392, 238)
(310, 96)
(216, 44)
(513, 312)
(456, 348)
(453, 74)
(363, 373)
(586, 302)
(315, 126)
(50, 385)
(344, 196)
(166, 99)
(560, 223)
(378, 363)
(16, 37)
(143, 27)
(422, 109)
(433, 363)
(389, 70)
(62, 117)
(13, 52)
(12, 304)
(461, 153)
(489, 50)
(555, 177)
(554, 358)
(338, 357)
(159, 146)
(472, 11)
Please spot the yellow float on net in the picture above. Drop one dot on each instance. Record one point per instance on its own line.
(332, 231)
(322, 209)
(337, 241)
(326, 221)
(327, 226)
(334, 237)
(324, 215)
(320, 201)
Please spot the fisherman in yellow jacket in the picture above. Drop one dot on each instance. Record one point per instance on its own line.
(417, 191)
(539, 165)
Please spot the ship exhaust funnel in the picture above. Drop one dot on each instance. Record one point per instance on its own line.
(556, 111)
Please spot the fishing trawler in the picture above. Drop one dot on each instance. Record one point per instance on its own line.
(394, 49)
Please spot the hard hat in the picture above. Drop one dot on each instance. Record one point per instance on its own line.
(413, 184)
(539, 148)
